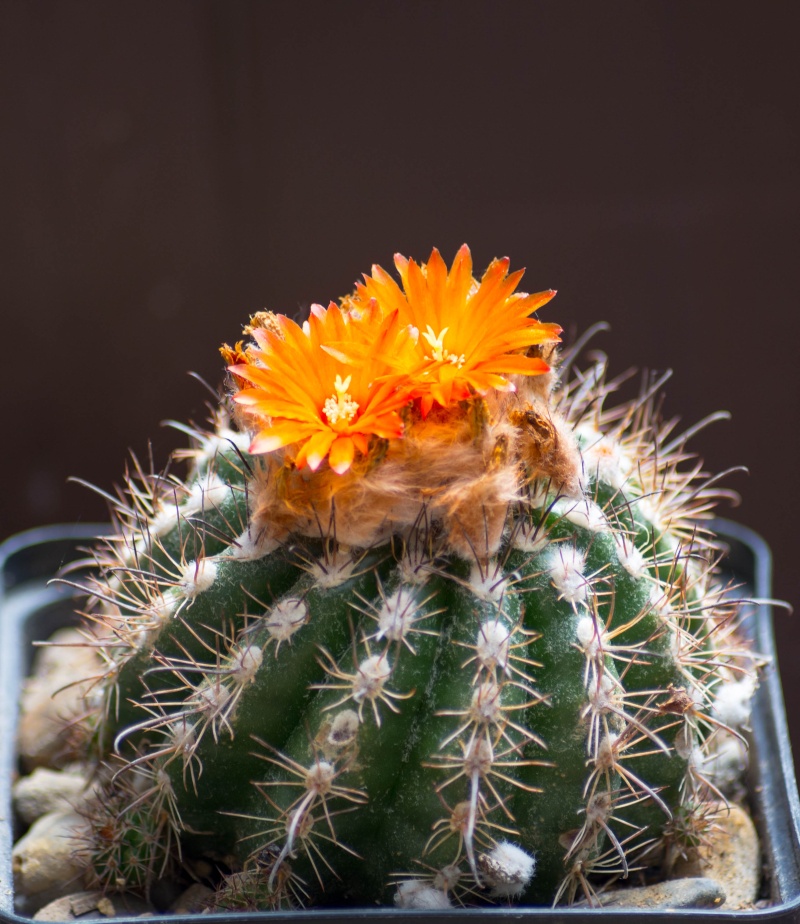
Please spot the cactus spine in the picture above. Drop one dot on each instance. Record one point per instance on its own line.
(422, 621)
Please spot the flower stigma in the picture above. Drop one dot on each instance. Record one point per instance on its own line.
(440, 354)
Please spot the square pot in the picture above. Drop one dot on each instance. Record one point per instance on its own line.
(31, 609)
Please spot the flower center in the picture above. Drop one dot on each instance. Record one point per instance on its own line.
(340, 407)
(439, 353)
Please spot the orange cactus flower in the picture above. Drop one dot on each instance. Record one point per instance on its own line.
(470, 336)
(303, 391)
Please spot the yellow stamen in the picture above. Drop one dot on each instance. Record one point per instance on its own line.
(340, 408)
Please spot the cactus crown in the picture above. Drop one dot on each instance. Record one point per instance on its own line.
(420, 615)
(411, 396)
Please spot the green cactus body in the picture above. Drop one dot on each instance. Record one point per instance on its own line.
(505, 694)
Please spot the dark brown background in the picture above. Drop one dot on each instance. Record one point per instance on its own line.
(166, 168)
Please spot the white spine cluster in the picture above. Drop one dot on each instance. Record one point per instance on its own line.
(370, 678)
(210, 491)
(584, 513)
(397, 615)
(419, 895)
(507, 869)
(726, 761)
(493, 646)
(631, 558)
(221, 441)
(566, 566)
(733, 701)
(253, 545)
(591, 637)
(485, 583)
(212, 698)
(286, 618)
(486, 707)
(334, 568)
(198, 576)
(604, 459)
(152, 618)
(245, 664)
(183, 736)
(527, 538)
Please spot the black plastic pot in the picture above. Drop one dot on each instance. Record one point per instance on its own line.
(31, 609)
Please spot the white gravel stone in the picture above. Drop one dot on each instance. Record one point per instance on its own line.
(733, 858)
(664, 896)
(88, 906)
(48, 791)
(198, 898)
(51, 699)
(44, 861)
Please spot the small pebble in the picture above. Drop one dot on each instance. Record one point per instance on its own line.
(732, 858)
(44, 862)
(93, 906)
(51, 700)
(47, 791)
(196, 899)
(677, 893)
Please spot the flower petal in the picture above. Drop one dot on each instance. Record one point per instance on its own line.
(271, 438)
(314, 450)
(341, 455)
(464, 331)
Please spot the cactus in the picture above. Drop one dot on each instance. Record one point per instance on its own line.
(428, 619)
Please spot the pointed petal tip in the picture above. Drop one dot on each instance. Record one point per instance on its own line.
(261, 445)
(314, 460)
